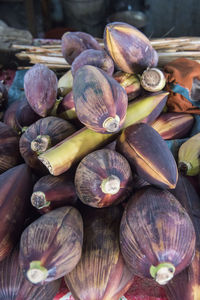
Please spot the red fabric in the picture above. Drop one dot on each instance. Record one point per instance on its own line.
(64, 291)
(145, 289)
(142, 289)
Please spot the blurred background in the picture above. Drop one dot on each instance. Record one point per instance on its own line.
(51, 18)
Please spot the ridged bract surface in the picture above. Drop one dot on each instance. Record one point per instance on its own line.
(25, 115)
(173, 125)
(97, 58)
(130, 49)
(149, 155)
(14, 286)
(55, 239)
(40, 87)
(101, 273)
(97, 96)
(9, 117)
(186, 285)
(155, 228)
(190, 200)
(74, 43)
(56, 128)
(93, 169)
(58, 190)
(15, 191)
(9, 148)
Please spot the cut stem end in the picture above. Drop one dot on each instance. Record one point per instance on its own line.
(110, 185)
(184, 167)
(38, 200)
(112, 124)
(162, 273)
(153, 80)
(36, 273)
(41, 143)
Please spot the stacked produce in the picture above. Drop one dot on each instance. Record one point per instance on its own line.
(152, 230)
(101, 272)
(93, 192)
(142, 109)
(41, 135)
(13, 284)
(50, 192)
(186, 285)
(162, 170)
(51, 246)
(14, 205)
(111, 176)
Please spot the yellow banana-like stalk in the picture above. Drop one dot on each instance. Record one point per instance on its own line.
(189, 156)
(62, 156)
(65, 83)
